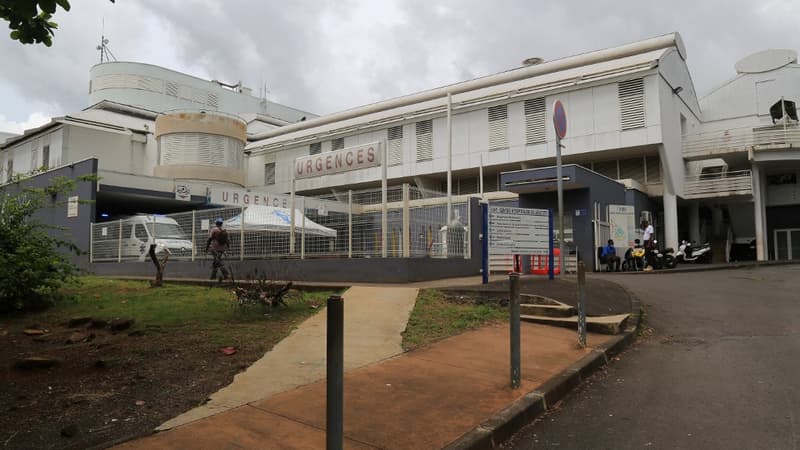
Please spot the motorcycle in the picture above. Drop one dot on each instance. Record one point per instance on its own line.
(688, 253)
(634, 258)
(663, 259)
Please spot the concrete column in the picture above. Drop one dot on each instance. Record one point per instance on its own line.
(670, 220)
(716, 222)
(694, 222)
(759, 214)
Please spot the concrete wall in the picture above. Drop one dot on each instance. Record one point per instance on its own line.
(76, 228)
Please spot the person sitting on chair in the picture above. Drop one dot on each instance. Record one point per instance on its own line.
(609, 256)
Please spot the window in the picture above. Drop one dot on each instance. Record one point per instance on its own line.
(337, 144)
(46, 157)
(10, 170)
(315, 148)
(34, 160)
(269, 174)
(781, 178)
(395, 135)
(535, 121)
(631, 103)
(425, 140)
(498, 127)
(139, 232)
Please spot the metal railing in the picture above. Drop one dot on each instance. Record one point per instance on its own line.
(723, 184)
(711, 144)
(415, 227)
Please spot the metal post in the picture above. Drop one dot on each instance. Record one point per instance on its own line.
(350, 223)
(334, 413)
(406, 239)
(513, 279)
(560, 187)
(91, 242)
(303, 232)
(449, 162)
(384, 200)
(119, 242)
(241, 236)
(551, 255)
(581, 304)
(194, 236)
(291, 221)
(485, 242)
(480, 177)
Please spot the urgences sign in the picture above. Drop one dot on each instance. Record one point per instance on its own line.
(353, 158)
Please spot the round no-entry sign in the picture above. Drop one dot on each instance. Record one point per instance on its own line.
(560, 119)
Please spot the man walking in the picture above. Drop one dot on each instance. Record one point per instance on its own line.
(218, 242)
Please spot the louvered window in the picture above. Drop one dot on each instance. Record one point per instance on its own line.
(315, 148)
(212, 101)
(631, 103)
(534, 121)
(607, 168)
(498, 127)
(171, 89)
(337, 144)
(653, 169)
(269, 174)
(632, 168)
(46, 157)
(395, 135)
(202, 149)
(425, 140)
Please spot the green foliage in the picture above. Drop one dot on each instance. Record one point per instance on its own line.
(34, 261)
(435, 317)
(29, 20)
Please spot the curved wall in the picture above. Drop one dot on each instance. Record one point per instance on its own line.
(201, 146)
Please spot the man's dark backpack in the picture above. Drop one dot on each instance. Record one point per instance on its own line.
(222, 237)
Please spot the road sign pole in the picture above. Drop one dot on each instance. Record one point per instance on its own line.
(550, 257)
(560, 188)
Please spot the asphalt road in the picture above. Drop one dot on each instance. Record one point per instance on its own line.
(721, 370)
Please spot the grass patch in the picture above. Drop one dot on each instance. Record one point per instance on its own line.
(435, 318)
(208, 311)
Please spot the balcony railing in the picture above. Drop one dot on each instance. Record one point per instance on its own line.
(711, 144)
(718, 185)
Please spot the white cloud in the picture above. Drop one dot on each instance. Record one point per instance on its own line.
(34, 120)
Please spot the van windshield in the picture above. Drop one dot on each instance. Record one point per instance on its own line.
(169, 231)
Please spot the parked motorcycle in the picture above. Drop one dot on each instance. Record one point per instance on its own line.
(662, 259)
(688, 253)
(634, 258)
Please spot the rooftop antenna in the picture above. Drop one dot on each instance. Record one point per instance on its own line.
(105, 51)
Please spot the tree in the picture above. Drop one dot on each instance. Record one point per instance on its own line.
(29, 20)
(34, 261)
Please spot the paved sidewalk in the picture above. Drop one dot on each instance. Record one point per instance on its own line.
(374, 321)
(422, 399)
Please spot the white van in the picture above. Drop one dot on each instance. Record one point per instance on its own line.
(137, 233)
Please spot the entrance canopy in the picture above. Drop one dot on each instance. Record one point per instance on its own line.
(278, 220)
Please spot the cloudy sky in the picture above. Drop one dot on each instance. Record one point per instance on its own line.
(327, 55)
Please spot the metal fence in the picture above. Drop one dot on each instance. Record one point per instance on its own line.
(346, 226)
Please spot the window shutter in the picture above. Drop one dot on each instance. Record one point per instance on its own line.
(315, 148)
(171, 89)
(424, 140)
(498, 127)
(269, 174)
(535, 121)
(631, 103)
(395, 135)
(337, 144)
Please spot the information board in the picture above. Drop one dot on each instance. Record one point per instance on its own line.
(519, 231)
(622, 220)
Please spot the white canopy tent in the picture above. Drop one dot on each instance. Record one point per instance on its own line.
(270, 218)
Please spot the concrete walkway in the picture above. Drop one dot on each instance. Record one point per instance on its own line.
(374, 319)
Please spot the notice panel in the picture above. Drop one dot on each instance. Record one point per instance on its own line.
(519, 231)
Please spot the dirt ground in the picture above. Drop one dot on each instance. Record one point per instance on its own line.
(110, 388)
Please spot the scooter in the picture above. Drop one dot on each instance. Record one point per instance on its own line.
(663, 259)
(634, 258)
(688, 253)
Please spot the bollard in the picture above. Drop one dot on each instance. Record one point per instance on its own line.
(581, 304)
(513, 306)
(334, 413)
